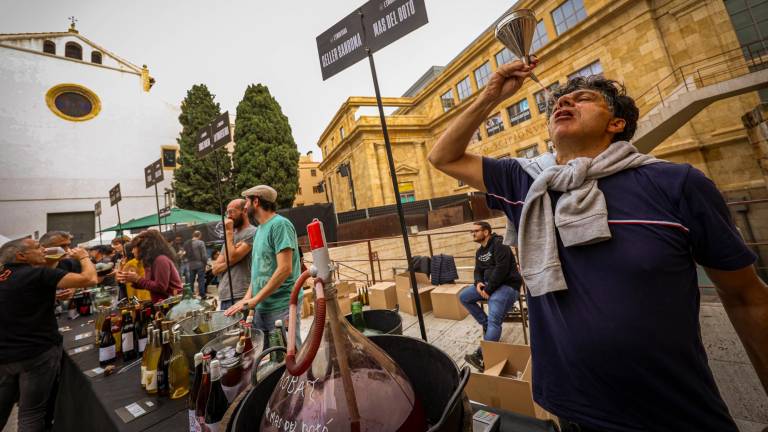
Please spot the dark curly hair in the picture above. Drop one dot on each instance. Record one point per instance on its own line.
(615, 95)
(151, 245)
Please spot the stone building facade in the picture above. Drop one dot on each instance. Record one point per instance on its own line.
(640, 43)
(311, 189)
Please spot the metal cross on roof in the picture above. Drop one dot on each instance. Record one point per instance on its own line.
(72, 21)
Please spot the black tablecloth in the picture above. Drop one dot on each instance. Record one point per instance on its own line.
(88, 404)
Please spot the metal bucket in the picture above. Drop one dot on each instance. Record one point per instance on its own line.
(194, 337)
(384, 320)
(439, 385)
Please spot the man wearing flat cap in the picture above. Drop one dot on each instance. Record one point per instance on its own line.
(275, 267)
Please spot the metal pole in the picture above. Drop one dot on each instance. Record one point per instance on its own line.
(370, 259)
(226, 248)
(396, 188)
(119, 223)
(157, 202)
(100, 241)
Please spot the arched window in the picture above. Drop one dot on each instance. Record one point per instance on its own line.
(49, 47)
(73, 50)
(95, 57)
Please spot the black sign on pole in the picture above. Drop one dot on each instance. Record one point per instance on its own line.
(97, 210)
(114, 198)
(388, 21)
(165, 212)
(215, 135)
(222, 133)
(382, 22)
(114, 195)
(153, 174)
(341, 46)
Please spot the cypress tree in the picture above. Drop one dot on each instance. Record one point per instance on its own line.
(195, 179)
(265, 152)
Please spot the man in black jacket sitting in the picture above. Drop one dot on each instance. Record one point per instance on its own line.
(497, 281)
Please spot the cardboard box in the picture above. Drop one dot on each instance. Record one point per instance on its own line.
(345, 288)
(408, 304)
(345, 303)
(403, 280)
(382, 295)
(445, 302)
(499, 386)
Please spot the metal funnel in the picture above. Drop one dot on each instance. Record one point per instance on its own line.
(515, 30)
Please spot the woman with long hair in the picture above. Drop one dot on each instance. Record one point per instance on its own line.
(160, 278)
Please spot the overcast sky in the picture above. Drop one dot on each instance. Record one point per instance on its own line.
(228, 45)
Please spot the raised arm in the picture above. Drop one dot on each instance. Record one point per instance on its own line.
(87, 278)
(449, 154)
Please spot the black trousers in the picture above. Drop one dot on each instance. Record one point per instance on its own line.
(31, 381)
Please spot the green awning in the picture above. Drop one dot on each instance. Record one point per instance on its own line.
(177, 216)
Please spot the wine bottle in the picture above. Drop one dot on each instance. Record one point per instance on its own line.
(232, 371)
(194, 425)
(178, 371)
(358, 321)
(117, 333)
(127, 335)
(277, 338)
(144, 357)
(153, 356)
(72, 309)
(247, 335)
(106, 344)
(205, 388)
(144, 331)
(163, 383)
(217, 403)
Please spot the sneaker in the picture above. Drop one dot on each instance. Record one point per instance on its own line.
(476, 360)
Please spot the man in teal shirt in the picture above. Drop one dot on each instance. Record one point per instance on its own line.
(275, 267)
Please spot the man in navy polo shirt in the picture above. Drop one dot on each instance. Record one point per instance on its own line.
(614, 304)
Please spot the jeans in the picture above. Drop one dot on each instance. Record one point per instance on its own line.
(266, 322)
(198, 274)
(499, 303)
(32, 380)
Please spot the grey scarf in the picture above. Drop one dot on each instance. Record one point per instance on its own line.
(581, 215)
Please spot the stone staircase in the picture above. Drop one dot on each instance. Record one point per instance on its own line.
(690, 88)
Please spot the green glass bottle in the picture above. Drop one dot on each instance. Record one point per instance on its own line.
(357, 316)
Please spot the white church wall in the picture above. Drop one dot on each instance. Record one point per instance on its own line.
(50, 164)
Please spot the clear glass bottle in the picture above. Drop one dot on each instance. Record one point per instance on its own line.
(178, 370)
(153, 358)
(194, 425)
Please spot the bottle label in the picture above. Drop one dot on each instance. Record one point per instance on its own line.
(142, 344)
(151, 380)
(127, 342)
(107, 353)
(194, 426)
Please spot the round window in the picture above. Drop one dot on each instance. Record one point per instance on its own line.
(73, 102)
